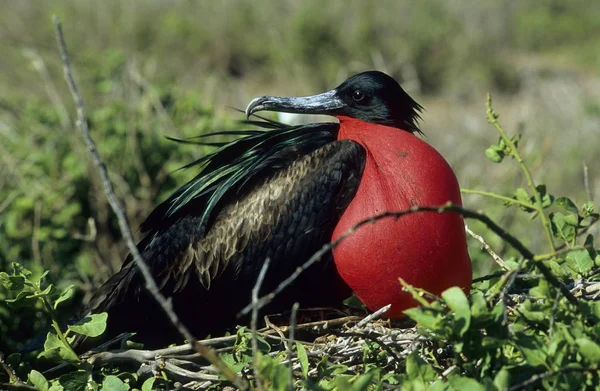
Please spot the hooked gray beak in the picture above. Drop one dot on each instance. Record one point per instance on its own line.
(326, 103)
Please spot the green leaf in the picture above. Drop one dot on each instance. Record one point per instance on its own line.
(148, 384)
(580, 261)
(12, 283)
(479, 306)
(90, 326)
(75, 381)
(64, 296)
(588, 209)
(362, 382)
(566, 204)
(521, 195)
(42, 277)
(532, 348)
(564, 227)
(38, 380)
(23, 299)
(342, 382)
(556, 268)
(494, 154)
(55, 350)
(571, 220)
(19, 270)
(594, 307)
(229, 359)
(303, 358)
(502, 379)
(46, 292)
(541, 291)
(424, 317)
(532, 313)
(354, 302)
(113, 383)
(465, 384)
(547, 199)
(418, 368)
(589, 349)
(456, 299)
(55, 386)
(438, 385)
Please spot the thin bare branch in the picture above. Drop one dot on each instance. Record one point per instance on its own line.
(586, 182)
(151, 286)
(369, 318)
(290, 344)
(488, 248)
(446, 208)
(11, 375)
(254, 319)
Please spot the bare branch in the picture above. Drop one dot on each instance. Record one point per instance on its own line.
(488, 248)
(586, 182)
(151, 286)
(254, 319)
(11, 375)
(446, 208)
(290, 344)
(373, 316)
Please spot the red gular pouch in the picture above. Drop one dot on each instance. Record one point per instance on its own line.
(426, 249)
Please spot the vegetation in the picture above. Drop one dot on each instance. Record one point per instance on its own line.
(151, 68)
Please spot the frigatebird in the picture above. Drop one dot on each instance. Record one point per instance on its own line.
(281, 192)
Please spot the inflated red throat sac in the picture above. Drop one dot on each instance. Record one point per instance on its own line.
(426, 249)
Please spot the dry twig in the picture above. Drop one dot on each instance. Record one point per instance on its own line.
(446, 208)
(255, 309)
(123, 223)
(290, 344)
(488, 248)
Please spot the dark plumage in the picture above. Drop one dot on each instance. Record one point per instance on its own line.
(207, 242)
(275, 192)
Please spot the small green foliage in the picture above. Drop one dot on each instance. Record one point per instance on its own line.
(456, 299)
(419, 369)
(56, 350)
(497, 152)
(274, 375)
(113, 383)
(302, 358)
(38, 380)
(76, 381)
(579, 262)
(149, 384)
(566, 204)
(91, 326)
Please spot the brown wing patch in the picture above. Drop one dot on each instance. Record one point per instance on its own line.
(249, 219)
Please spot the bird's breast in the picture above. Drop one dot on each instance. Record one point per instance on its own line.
(426, 249)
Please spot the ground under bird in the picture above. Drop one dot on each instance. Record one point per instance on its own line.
(282, 192)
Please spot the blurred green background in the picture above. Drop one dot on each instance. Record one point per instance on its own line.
(154, 68)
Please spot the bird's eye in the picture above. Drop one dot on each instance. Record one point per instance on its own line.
(357, 95)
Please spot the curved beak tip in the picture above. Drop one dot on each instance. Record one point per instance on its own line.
(254, 106)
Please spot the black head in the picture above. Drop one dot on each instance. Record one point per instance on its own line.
(369, 96)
